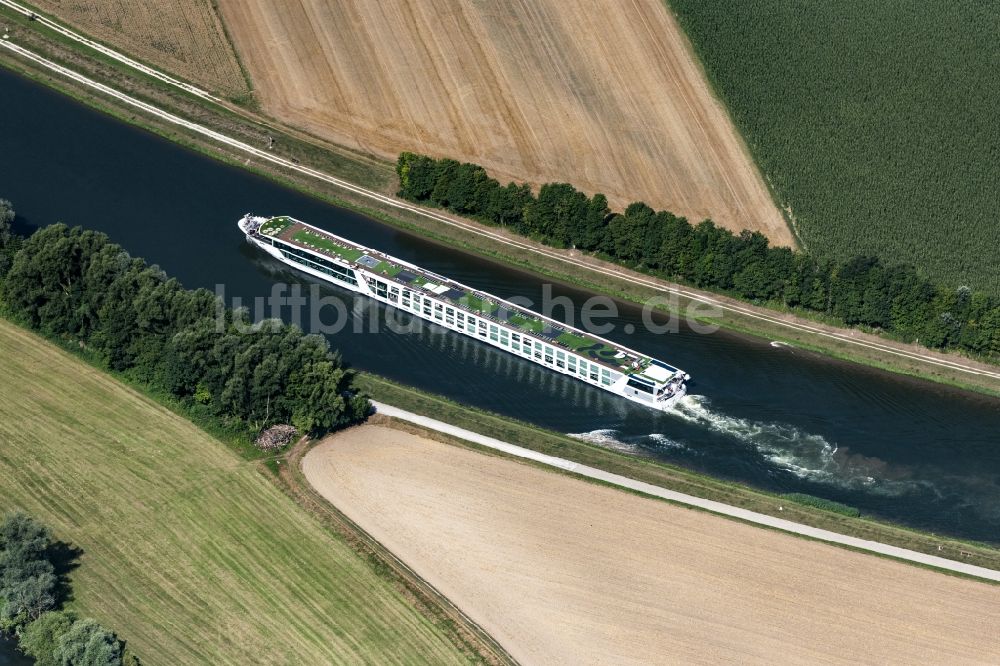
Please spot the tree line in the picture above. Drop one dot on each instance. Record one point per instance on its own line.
(861, 291)
(31, 592)
(76, 285)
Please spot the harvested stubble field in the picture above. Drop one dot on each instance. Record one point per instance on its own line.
(559, 570)
(188, 552)
(605, 95)
(184, 37)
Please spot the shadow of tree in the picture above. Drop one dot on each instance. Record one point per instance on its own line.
(65, 557)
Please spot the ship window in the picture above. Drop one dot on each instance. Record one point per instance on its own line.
(470, 327)
(561, 355)
(548, 358)
(482, 325)
(407, 293)
(461, 317)
(560, 364)
(642, 386)
(451, 312)
(437, 307)
(516, 347)
(517, 337)
(316, 263)
(572, 363)
(538, 353)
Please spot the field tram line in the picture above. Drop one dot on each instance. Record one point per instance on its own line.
(472, 638)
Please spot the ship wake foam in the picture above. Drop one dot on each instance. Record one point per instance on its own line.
(612, 439)
(808, 456)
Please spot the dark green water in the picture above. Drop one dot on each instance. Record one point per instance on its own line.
(9, 656)
(778, 418)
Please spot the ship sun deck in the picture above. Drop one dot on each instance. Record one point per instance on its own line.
(485, 306)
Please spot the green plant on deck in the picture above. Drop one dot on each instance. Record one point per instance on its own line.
(574, 341)
(323, 243)
(477, 304)
(532, 325)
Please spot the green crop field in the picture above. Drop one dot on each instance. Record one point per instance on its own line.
(188, 551)
(876, 123)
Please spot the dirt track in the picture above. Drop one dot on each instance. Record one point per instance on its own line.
(184, 37)
(563, 571)
(604, 94)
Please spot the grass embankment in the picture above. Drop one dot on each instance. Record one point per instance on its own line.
(378, 175)
(665, 475)
(188, 551)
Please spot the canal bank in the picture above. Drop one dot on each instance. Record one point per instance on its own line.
(580, 270)
(778, 418)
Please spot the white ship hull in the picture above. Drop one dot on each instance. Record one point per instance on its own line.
(668, 383)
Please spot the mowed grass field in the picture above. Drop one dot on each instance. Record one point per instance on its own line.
(875, 122)
(188, 551)
(184, 37)
(603, 94)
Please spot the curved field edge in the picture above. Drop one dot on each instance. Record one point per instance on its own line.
(428, 502)
(661, 474)
(873, 124)
(187, 550)
(361, 170)
(611, 98)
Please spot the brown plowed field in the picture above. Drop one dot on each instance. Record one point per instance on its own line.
(559, 570)
(604, 94)
(183, 37)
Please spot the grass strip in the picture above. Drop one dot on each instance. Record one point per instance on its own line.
(672, 477)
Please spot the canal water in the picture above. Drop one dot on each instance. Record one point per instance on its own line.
(775, 417)
(9, 654)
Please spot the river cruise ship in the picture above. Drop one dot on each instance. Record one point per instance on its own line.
(474, 313)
